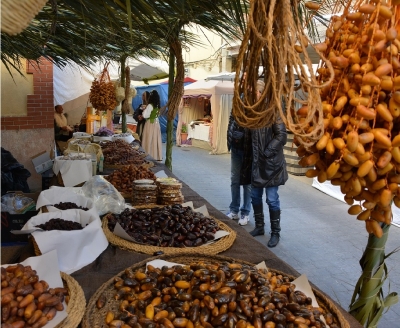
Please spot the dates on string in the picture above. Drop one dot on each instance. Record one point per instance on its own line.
(211, 295)
(27, 301)
(169, 226)
(69, 205)
(60, 224)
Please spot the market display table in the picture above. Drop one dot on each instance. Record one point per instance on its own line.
(200, 132)
(113, 260)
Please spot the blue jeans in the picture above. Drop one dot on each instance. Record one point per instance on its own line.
(272, 197)
(236, 163)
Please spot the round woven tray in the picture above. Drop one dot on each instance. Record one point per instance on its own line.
(76, 305)
(94, 317)
(218, 246)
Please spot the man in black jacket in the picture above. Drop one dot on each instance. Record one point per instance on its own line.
(268, 173)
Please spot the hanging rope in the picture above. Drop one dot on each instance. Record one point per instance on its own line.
(269, 43)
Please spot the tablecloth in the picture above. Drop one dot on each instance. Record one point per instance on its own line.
(200, 132)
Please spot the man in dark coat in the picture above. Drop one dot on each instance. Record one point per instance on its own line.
(268, 173)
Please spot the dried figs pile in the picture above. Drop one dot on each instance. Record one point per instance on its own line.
(169, 226)
(60, 224)
(69, 206)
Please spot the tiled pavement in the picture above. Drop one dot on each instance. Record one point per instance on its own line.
(318, 237)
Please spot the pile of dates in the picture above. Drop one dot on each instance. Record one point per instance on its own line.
(60, 224)
(69, 206)
(27, 301)
(210, 295)
(122, 179)
(119, 152)
(169, 226)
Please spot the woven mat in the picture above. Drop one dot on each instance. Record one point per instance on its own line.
(94, 317)
(218, 246)
(76, 305)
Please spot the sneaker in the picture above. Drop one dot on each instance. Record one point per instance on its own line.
(244, 219)
(233, 216)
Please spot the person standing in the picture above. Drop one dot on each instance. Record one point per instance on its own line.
(138, 114)
(151, 142)
(62, 131)
(268, 173)
(239, 144)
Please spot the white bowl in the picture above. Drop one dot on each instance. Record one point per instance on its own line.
(102, 138)
(81, 135)
(125, 136)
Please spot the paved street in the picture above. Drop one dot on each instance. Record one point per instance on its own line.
(318, 238)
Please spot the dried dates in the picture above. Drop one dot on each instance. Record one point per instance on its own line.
(169, 226)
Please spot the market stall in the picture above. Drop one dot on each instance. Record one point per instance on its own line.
(191, 112)
(114, 259)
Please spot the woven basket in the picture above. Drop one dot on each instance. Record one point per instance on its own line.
(16, 15)
(94, 317)
(218, 246)
(76, 305)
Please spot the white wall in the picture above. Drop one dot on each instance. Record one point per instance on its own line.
(202, 61)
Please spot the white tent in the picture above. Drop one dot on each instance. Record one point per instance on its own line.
(191, 108)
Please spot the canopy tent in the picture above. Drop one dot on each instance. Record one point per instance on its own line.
(162, 90)
(191, 108)
(72, 83)
(147, 69)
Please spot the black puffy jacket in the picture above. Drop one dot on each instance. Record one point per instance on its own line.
(269, 165)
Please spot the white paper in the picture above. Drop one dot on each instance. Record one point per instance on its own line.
(56, 195)
(47, 269)
(161, 174)
(73, 172)
(203, 210)
(262, 266)
(188, 204)
(120, 232)
(160, 263)
(76, 248)
(304, 286)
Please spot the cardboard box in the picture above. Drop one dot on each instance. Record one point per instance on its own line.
(16, 222)
(42, 162)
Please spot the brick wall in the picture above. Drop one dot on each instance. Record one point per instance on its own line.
(40, 105)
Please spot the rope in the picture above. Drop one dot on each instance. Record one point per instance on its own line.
(269, 42)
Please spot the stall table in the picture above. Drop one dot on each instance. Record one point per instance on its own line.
(200, 132)
(114, 260)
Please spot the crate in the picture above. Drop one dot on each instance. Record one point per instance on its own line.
(16, 222)
(291, 157)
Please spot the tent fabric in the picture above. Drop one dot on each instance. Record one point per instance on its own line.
(191, 108)
(162, 90)
(186, 80)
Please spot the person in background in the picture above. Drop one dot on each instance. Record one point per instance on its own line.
(138, 114)
(268, 173)
(62, 131)
(151, 142)
(239, 144)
